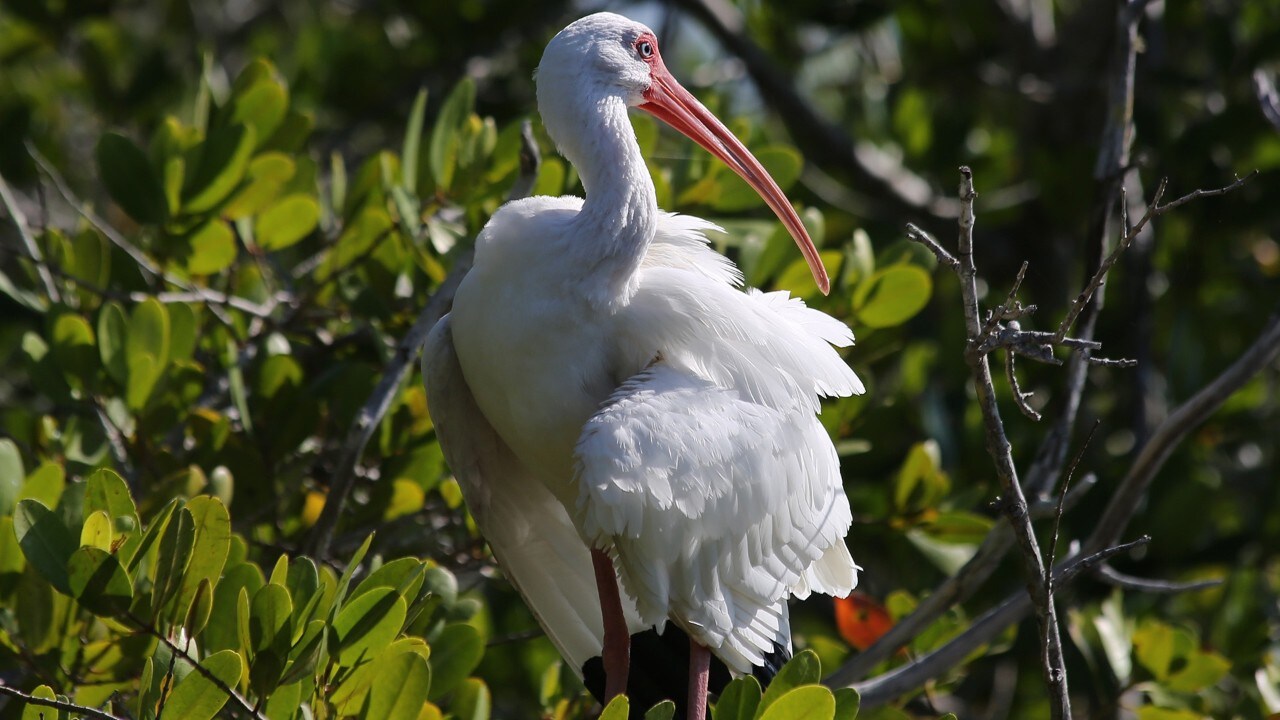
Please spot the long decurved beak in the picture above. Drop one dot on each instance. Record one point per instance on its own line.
(668, 101)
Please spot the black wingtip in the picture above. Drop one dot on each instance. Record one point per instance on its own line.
(660, 671)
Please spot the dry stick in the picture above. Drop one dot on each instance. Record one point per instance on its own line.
(1014, 503)
(229, 691)
(58, 704)
(28, 242)
(883, 688)
(399, 365)
(1111, 576)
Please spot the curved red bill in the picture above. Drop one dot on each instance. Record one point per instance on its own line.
(671, 103)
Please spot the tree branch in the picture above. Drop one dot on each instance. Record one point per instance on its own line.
(1268, 99)
(28, 242)
(1111, 576)
(399, 366)
(58, 704)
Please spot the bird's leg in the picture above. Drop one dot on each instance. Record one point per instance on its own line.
(616, 654)
(699, 675)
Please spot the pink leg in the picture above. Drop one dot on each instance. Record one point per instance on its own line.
(699, 674)
(617, 639)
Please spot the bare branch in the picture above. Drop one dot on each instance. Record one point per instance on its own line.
(398, 367)
(924, 238)
(1019, 397)
(1124, 503)
(1062, 500)
(1111, 576)
(28, 242)
(58, 704)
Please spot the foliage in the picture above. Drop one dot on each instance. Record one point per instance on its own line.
(269, 213)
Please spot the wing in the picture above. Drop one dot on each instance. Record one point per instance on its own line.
(528, 530)
(718, 508)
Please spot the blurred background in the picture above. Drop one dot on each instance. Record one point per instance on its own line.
(865, 109)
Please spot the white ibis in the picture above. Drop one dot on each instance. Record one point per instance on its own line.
(635, 435)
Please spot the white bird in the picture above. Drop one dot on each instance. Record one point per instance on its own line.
(616, 408)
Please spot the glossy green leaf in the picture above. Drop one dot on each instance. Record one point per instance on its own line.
(220, 164)
(454, 654)
(266, 177)
(130, 178)
(197, 697)
(286, 222)
(367, 624)
(107, 492)
(412, 140)
(803, 669)
(739, 701)
(270, 635)
(848, 702)
(211, 541)
(32, 711)
(144, 372)
(344, 582)
(665, 710)
(45, 541)
(811, 702)
(45, 484)
(113, 331)
(73, 349)
(98, 582)
(212, 248)
(96, 531)
(200, 609)
(11, 475)
(442, 154)
(892, 296)
(260, 107)
(618, 709)
(400, 688)
(174, 556)
(149, 332)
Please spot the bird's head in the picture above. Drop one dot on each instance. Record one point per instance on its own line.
(606, 56)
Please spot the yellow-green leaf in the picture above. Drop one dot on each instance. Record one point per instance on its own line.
(287, 222)
(892, 296)
(197, 697)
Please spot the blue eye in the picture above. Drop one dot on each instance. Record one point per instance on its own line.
(645, 48)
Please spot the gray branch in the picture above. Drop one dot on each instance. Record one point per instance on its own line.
(1268, 99)
(1111, 576)
(28, 242)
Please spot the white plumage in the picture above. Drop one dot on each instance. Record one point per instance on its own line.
(603, 382)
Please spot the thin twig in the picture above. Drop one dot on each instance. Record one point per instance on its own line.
(924, 238)
(1015, 503)
(1019, 398)
(58, 704)
(1111, 576)
(1062, 501)
(230, 692)
(28, 242)
(398, 367)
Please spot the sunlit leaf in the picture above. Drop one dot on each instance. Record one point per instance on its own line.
(197, 697)
(892, 296)
(811, 702)
(454, 654)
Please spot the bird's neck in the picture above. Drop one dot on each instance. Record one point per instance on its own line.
(620, 213)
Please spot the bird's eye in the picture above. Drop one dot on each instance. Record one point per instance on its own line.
(645, 48)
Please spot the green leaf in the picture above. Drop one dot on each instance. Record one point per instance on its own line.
(344, 582)
(401, 688)
(665, 710)
(149, 332)
(442, 154)
(920, 482)
(739, 701)
(183, 328)
(618, 709)
(175, 554)
(220, 164)
(211, 541)
(112, 337)
(286, 222)
(1202, 670)
(803, 669)
(1151, 712)
(367, 624)
(106, 491)
(1153, 644)
(270, 635)
(144, 373)
(398, 572)
(197, 697)
(261, 107)
(45, 541)
(811, 702)
(130, 179)
(11, 475)
(96, 531)
(267, 175)
(412, 140)
(212, 248)
(892, 296)
(471, 700)
(201, 608)
(32, 711)
(454, 654)
(735, 195)
(848, 702)
(98, 582)
(45, 484)
(798, 278)
(72, 347)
